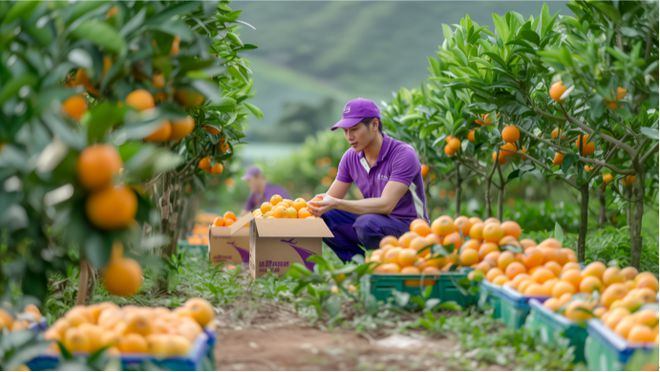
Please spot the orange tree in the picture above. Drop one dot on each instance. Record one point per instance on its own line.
(89, 93)
(603, 115)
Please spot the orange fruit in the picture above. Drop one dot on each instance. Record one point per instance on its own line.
(554, 267)
(492, 273)
(77, 341)
(471, 245)
(595, 269)
(514, 269)
(430, 270)
(487, 248)
(387, 268)
(483, 267)
(535, 290)
(492, 232)
(555, 133)
(279, 211)
(500, 280)
(266, 207)
(476, 275)
(579, 311)
(646, 280)
(628, 180)
(629, 273)
(562, 287)
(449, 150)
(201, 311)
(607, 178)
(476, 231)
(299, 203)
(217, 168)
(511, 228)
(161, 134)
(509, 240)
(205, 163)
(542, 275)
(420, 227)
(463, 225)
(510, 133)
(406, 257)
(181, 128)
(112, 208)
(276, 199)
(589, 284)
(133, 343)
(391, 240)
(453, 143)
(505, 259)
(641, 334)
(469, 257)
(522, 286)
(304, 213)
(122, 277)
(218, 222)
(548, 285)
(518, 279)
(572, 276)
(391, 255)
(624, 327)
(410, 270)
(291, 212)
(97, 165)
(552, 304)
(612, 275)
(75, 106)
(158, 80)
(418, 243)
(647, 317)
(558, 159)
(571, 266)
(612, 293)
(550, 243)
(140, 99)
(453, 240)
(470, 135)
(557, 89)
(613, 317)
(621, 93)
(645, 295)
(424, 170)
(533, 257)
(443, 226)
(406, 238)
(500, 158)
(491, 258)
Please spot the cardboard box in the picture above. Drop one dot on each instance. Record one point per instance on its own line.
(275, 244)
(230, 244)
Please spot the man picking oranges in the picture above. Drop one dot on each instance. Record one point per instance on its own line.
(386, 171)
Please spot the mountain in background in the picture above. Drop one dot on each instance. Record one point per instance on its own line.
(314, 52)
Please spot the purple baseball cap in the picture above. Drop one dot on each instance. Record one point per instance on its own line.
(253, 171)
(355, 111)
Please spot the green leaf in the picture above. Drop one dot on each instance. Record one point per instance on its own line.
(256, 111)
(21, 9)
(101, 119)
(559, 232)
(179, 9)
(11, 88)
(98, 249)
(101, 34)
(226, 104)
(651, 133)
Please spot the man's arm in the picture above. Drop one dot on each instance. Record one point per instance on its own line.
(338, 189)
(385, 204)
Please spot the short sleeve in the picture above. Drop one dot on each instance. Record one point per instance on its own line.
(250, 205)
(405, 166)
(343, 171)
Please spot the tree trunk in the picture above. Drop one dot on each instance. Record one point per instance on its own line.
(459, 184)
(500, 203)
(602, 216)
(635, 222)
(584, 221)
(85, 284)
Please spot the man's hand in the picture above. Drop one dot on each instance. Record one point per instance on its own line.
(321, 204)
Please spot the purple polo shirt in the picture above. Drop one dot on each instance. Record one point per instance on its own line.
(397, 161)
(255, 200)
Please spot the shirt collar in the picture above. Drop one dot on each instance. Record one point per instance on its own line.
(384, 148)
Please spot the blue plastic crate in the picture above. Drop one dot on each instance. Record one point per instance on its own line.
(515, 307)
(193, 361)
(607, 351)
(550, 327)
(489, 296)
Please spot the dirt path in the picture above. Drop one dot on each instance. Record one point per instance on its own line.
(274, 338)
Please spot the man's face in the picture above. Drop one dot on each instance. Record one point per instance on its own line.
(360, 135)
(255, 183)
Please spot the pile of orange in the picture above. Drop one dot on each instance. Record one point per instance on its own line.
(226, 219)
(29, 316)
(469, 242)
(130, 329)
(278, 207)
(109, 206)
(616, 296)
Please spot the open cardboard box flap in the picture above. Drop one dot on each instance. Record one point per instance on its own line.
(287, 228)
(231, 230)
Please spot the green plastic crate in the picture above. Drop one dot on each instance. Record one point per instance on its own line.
(550, 327)
(607, 351)
(489, 296)
(444, 286)
(515, 307)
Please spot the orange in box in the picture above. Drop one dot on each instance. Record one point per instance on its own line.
(230, 244)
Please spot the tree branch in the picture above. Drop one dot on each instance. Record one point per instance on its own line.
(653, 149)
(546, 168)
